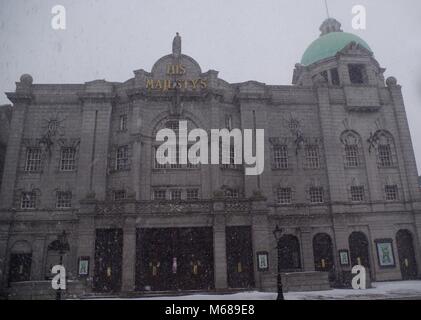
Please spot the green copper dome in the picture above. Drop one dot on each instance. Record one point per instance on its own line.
(328, 45)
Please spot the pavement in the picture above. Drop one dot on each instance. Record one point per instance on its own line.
(393, 290)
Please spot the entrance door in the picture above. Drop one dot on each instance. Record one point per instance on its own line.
(20, 267)
(289, 253)
(174, 259)
(108, 260)
(239, 257)
(323, 254)
(406, 255)
(358, 247)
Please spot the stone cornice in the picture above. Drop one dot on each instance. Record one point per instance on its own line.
(20, 97)
(97, 97)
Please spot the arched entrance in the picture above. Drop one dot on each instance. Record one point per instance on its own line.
(406, 254)
(20, 262)
(359, 250)
(289, 255)
(323, 253)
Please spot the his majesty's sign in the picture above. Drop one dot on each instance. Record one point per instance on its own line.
(172, 71)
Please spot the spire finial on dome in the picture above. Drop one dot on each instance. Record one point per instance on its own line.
(327, 9)
(330, 25)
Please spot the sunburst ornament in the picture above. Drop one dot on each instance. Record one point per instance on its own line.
(53, 126)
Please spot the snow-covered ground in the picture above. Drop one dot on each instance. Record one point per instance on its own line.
(380, 290)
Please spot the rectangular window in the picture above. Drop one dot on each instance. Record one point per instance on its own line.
(64, 199)
(228, 122)
(280, 155)
(316, 195)
(357, 73)
(232, 193)
(28, 200)
(119, 195)
(68, 159)
(284, 196)
(33, 159)
(122, 161)
(159, 194)
(351, 156)
(123, 123)
(312, 157)
(334, 76)
(325, 76)
(357, 193)
(385, 155)
(175, 195)
(391, 192)
(192, 194)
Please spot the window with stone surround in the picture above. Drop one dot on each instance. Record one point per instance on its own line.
(232, 193)
(280, 157)
(351, 156)
(385, 155)
(357, 73)
(119, 195)
(284, 196)
(63, 199)
(175, 194)
(391, 192)
(33, 159)
(357, 193)
(228, 122)
(316, 195)
(68, 159)
(28, 200)
(312, 157)
(122, 126)
(192, 194)
(122, 158)
(160, 194)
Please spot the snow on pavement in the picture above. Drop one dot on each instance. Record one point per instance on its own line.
(380, 290)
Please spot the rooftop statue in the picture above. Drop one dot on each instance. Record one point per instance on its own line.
(176, 45)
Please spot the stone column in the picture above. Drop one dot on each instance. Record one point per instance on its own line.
(13, 152)
(37, 264)
(307, 247)
(86, 239)
(260, 239)
(3, 259)
(220, 252)
(135, 166)
(129, 255)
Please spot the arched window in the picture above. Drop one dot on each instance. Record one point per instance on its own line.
(406, 254)
(20, 262)
(53, 258)
(289, 254)
(323, 252)
(352, 149)
(359, 250)
(385, 149)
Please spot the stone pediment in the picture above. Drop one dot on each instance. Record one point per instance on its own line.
(354, 48)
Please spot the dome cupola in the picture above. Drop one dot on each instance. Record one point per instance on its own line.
(331, 41)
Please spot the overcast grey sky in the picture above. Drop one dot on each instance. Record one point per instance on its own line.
(242, 39)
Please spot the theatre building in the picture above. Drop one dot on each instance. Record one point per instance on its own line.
(339, 178)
